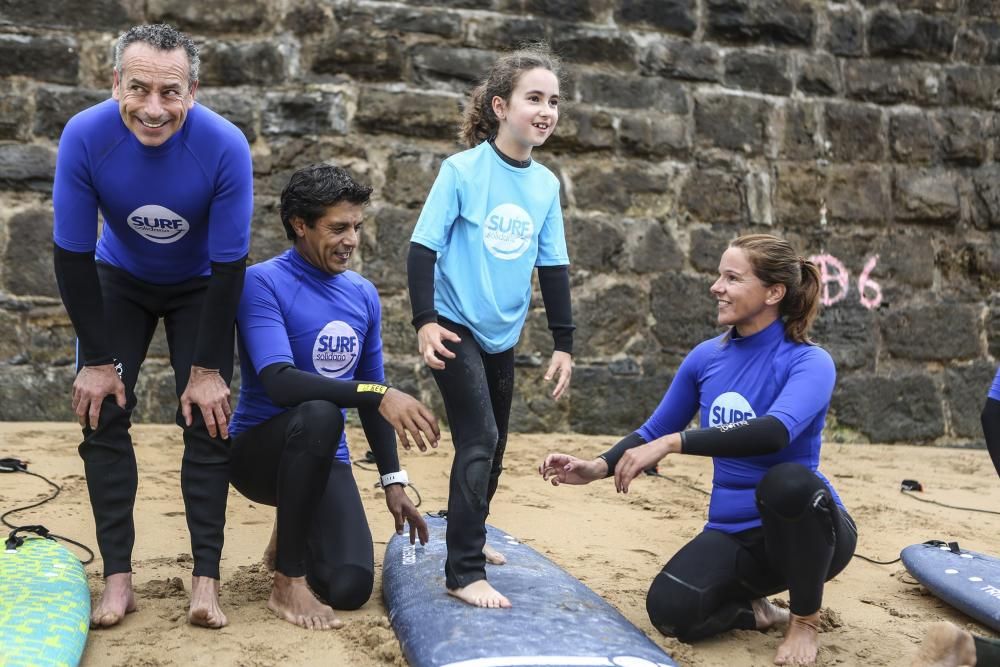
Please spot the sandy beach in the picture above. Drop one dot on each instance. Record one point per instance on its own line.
(872, 614)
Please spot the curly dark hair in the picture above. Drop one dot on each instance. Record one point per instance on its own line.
(313, 189)
(162, 37)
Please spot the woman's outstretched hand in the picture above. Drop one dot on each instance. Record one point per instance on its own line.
(565, 469)
(636, 460)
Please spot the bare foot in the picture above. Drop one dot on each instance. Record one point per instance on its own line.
(116, 601)
(493, 556)
(768, 615)
(292, 601)
(270, 557)
(205, 610)
(481, 594)
(801, 641)
(946, 646)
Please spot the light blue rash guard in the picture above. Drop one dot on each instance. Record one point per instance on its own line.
(731, 378)
(995, 389)
(491, 224)
(292, 312)
(168, 211)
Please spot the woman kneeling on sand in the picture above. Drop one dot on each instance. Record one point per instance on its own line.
(775, 523)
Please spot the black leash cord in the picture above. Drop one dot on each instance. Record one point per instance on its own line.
(909, 493)
(22, 468)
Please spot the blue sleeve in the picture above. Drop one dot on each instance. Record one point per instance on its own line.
(680, 403)
(995, 389)
(74, 199)
(232, 206)
(440, 211)
(552, 237)
(261, 324)
(806, 392)
(370, 366)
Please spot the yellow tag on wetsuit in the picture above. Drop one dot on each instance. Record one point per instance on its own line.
(376, 388)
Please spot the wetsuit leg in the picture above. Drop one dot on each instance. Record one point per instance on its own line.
(285, 462)
(809, 538)
(108, 456)
(987, 651)
(205, 466)
(707, 586)
(991, 430)
(340, 563)
(466, 395)
(500, 381)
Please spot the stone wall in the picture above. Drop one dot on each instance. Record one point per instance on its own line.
(865, 131)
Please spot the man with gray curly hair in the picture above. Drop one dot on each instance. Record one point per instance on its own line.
(173, 184)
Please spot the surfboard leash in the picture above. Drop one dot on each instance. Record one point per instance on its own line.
(13, 465)
(908, 491)
(910, 487)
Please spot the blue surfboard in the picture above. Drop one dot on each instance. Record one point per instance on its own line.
(44, 605)
(967, 580)
(555, 621)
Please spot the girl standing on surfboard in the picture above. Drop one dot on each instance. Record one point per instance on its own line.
(491, 217)
(774, 522)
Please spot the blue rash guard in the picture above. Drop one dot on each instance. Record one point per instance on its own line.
(292, 312)
(995, 389)
(731, 378)
(491, 224)
(170, 210)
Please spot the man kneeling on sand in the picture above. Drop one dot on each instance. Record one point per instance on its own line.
(310, 347)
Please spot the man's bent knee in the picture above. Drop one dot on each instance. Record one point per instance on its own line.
(349, 588)
(318, 426)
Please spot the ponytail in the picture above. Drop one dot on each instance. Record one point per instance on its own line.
(800, 311)
(479, 122)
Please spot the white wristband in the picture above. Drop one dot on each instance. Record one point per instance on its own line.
(395, 478)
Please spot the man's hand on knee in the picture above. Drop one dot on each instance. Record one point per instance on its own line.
(210, 393)
(408, 415)
(92, 384)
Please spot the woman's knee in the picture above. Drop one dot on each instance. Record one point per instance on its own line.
(789, 490)
(672, 607)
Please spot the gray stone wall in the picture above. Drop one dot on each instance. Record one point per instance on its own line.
(865, 131)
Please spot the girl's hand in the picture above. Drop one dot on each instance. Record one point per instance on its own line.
(565, 469)
(430, 339)
(561, 366)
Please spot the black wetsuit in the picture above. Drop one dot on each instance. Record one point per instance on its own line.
(310, 347)
(774, 521)
(173, 247)
(478, 385)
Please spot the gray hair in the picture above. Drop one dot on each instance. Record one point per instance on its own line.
(162, 37)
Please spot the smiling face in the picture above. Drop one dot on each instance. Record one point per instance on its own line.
(531, 114)
(743, 300)
(154, 92)
(331, 241)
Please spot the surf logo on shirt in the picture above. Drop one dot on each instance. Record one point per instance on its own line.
(729, 408)
(158, 224)
(507, 231)
(336, 349)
